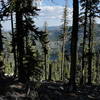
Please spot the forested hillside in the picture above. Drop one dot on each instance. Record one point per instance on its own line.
(49, 49)
(55, 31)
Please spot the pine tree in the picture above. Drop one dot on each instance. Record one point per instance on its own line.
(93, 9)
(24, 26)
(44, 40)
(50, 72)
(74, 39)
(90, 8)
(20, 40)
(84, 40)
(1, 41)
(14, 45)
(64, 36)
(97, 65)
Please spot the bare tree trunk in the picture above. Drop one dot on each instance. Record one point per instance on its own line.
(45, 66)
(1, 43)
(97, 67)
(90, 49)
(50, 72)
(84, 41)
(1, 50)
(14, 45)
(62, 62)
(20, 42)
(63, 42)
(74, 40)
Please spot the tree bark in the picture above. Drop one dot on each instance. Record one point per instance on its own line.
(50, 72)
(20, 42)
(45, 66)
(74, 39)
(84, 41)
(90, 49)
(14, 45)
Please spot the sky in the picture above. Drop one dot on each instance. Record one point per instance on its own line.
(56, 2)
(51, 12)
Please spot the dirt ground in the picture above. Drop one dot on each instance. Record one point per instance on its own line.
(47, 91)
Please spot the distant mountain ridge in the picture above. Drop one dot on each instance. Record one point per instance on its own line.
(55, 31)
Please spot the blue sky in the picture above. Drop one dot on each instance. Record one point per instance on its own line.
(51, 12)
(57, 2)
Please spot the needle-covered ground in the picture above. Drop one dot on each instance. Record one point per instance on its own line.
(14, 90)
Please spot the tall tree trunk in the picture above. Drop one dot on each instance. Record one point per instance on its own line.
(63, 42)
(84, 41)
(45, 48)
(1, 43)
(74, 40)
(1, 49)
(20, 42)
(97, 67)
(62, 62)
(26, 43)
(50, 72)
(14, 45)
(90, 49)
(45, 57)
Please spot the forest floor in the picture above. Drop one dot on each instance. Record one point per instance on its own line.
(57, 91)
(46, 91)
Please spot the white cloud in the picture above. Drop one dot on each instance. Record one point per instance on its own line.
(53, 15)
(97, 20)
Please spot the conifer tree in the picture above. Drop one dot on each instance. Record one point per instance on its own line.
(90, 8)
(74, 39)
(44, 40)
(2, 5)
(84, 39)
(93, 10)
(14, 44)
(24, 26)
(64, 36)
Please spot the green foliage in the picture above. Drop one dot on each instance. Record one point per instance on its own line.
(8, 68)
(33, 64)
